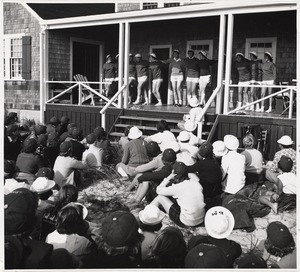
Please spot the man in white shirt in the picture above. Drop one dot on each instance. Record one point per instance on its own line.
(93, 155)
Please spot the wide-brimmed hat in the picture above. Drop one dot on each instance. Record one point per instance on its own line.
(285, 164)
(176, 51)
(189, 125)
(251, 260)
(183, 136)
(219, 222)
(169, 155)
(219, 148)
(84, 209)
(42, 185)
(239, 54)
(231, 142)
(119, 229)
(285, 140)
(151, 215)
(206, 149)
(108, 56)
(152, 149)
(279, 235)
(153, 55)
(137, 55)
(191, 50)
(134, 133)
(203, 53)
(253, 53)
(269, 54)
(174, 145)
(194, 102)
(130, 55)
(206, 256)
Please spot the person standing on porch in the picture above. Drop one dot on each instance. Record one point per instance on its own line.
(142, 75)
(155, 69)
(242, 65)
(177, 74)
(108, 74)
(131, 78)
(268, 77)
(192, 74)
(205, 74)
(256, 78)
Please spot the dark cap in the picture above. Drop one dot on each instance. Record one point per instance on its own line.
(169, 155)
(152, 149)
(206, 256)
(279, 235)
(251, 260)
(91, 138)
(65, 147)
(19, 211)
(40, 129)
(64, 119)
(71, 125)
(98, 131)
(180, 168)
(46, 172)
(119, 229)
(285, 164)
(54, 121)
(9, 167)
(42, 139)
(30, 145)
(76, 132)
(12, 115)
(206, 150)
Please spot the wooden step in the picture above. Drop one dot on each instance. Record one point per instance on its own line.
(139, 118)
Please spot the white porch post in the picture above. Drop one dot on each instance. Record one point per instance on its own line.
(228, 61)
(126, 63)
(221, 61)
(298, 83)
(121, 62)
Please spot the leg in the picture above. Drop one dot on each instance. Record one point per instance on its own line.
(189, 89)
(267, 201)
(174, 87)
(179, 90)
(164, 201)
(156, 87)
(240, 96)
(139, 93)
(263, 93)
(140, 193)
(270, 100)
(204, 84)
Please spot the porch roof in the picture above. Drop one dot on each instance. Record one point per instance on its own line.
(204, 9)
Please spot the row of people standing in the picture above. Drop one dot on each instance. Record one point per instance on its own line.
(195, 72)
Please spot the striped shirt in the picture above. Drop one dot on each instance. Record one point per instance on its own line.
(288, 152)
(135, 153)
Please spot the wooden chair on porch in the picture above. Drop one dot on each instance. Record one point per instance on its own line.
(86, 94)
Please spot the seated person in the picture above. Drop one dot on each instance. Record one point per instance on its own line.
(124, 139)
(67, 134)
(62, 127)
(77, 147)
(104, 143)
(251, 260)
(254, 161)
(52, 125)
(219, 150)
(183, 140)
(12, 142)
(181, 197)
(93, 156)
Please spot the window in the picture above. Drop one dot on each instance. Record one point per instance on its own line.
(206, 45)
(163, 52)
(169, 5)
(150, 5)
(260, 46)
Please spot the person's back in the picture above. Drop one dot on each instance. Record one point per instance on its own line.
(135, 153)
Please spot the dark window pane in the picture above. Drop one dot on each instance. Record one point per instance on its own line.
(268, 45)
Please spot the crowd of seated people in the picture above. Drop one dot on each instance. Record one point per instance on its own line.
(188, 181)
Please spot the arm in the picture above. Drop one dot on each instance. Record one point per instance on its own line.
(173, 190)
(151, 165)
(279, 186)
(78, 164)
(157, 176)
(274, 71)
(125, 158)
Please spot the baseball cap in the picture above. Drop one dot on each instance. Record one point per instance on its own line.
(65, 147)
(169, 155)
(46, 172)
(180, 168)
(206, 149)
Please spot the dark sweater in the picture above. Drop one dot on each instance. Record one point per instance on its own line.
(142, 68)
(132, 69)
(192, 67)
(28, 163)
(108, 70)
(77, 149)
(244, 70)
(156, 176)
(205, 66)
(256, 71)
(156, 69)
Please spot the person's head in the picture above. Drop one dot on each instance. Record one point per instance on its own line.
(126, 131)
(108, 58)
(280, 241)
(70, 220)
(63, 259)
(191, 53)
(189, 125)
(43, 187)
(9, 168)
(42, 140)
(151, 218)
(231, 142)
(46, 172)
(99, 131)
(54, 121)
(203, 54)
(68, 193)
(169, 248)
(20, 212)
(169, 156)
(219, 149)
(11, 118)
(69, 126)
(40, 129)
(239, 57)
(76, 133)
(64, 120)
(285, 164)
(253, 55)
(180, 169)
(162, 125)
(30, 145)
(52, 140)
(152, 149)
(285, 142)
(134, 133)
(138, 57)
(248, 141)
(268, 57)
(184, 137)
(206, 150)
(152, 57)
(65, 149)
(176, 54)
(130, 56)
(91, 138)
(251, 260)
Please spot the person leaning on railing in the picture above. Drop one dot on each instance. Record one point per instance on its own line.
(108, 74)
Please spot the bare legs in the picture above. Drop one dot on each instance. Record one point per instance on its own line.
(140, 193)
(191, 89)
(155, 89)
(177, 90)
(141, 88)
(163, 201)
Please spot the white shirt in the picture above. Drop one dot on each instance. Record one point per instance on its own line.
(186, 158)
(254, 161)
(93, 156)
(289, 182)
(233, 164)
(195, 113)
(12, 184)
(160, 137)
(193, 150)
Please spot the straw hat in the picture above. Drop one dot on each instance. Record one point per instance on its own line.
(240, 54)
(219, 222)
(134, 133)
(190, 125)
(231, 142)
(42, 185)
(151, 215)
(138, 55)
(194, 102)
(153, 55)
(285, 140)
(269, 54)
(203, 53)
(219, 148)
(253, 53)
(183, 136)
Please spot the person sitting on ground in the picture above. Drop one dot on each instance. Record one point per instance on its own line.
(77, 147)
(183, 140)
(124, 139)
(28, 163)
(150, 180)
(254, 161)
(219, 223)
(52, 125)
(65, 165)
(286, 149)
(251, 260)
(36, 131)
(233, 166)
(186, 207)
(280, 244)
(163, 133)
(67, 134)
(208, 171)
(104, 143)
(219, 150)
(62, 127)
(12, 142)
(51, 151)
(121, 246)
(150, 222)
(93, 156)
(135, 153)
(72, 234)
(168, 250)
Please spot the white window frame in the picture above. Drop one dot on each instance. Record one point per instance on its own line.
(201, 42)
(169, 46)
(272, 40)
(160, 4)
(7, 54)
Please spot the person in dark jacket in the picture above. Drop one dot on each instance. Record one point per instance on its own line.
(256, 78)
(62, 127)
(155, 69)
(132, 83)
(108, 75)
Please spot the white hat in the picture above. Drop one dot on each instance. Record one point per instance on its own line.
(203, 53)
(219, 148)
(231, 142)
(190, 125)
(170, 144)
(153, 55)
(194, 102)
(42, 185)
(285, 140)
(134, 133)
(219, 222)
(151, 215)
(183, 136)
(239, 54)
(269, 54)
(253, 53)
(138, 55)
(84, 209)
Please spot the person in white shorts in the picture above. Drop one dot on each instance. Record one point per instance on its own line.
(155, 68)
